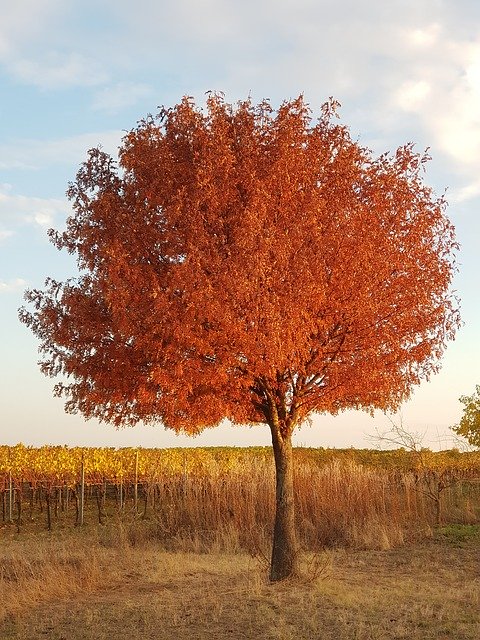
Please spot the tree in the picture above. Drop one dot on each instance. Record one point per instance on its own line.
(432, 475)
(247, 264)
(469, 426)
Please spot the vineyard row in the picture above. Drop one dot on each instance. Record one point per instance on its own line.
(56, 466)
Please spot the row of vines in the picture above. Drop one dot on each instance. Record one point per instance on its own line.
(342, 495)
(60, 465)
(57, 465)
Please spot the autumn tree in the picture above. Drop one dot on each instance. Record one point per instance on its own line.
(247, 264)
(469, 425)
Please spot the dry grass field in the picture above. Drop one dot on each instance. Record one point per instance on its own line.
(189, 559)
(115, 581)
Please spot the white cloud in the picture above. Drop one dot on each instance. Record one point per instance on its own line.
(116, 97)
(26, 21)
(12, 285)
(57, 71)
(472, 71)
(38, 47)
(37, 154)
(17, 210)
(425, 37)
(454, 115)
(459, 136)
(412, 95)
(438, 79)
(403, 68)
(465, 193)
(5, 233)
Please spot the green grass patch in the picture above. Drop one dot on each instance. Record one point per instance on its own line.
(459, 534)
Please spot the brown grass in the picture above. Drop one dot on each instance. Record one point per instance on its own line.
(340, 503)
(192, 562)
(95, 584)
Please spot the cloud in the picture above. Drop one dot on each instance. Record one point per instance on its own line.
(457, 121)
(426, 36)
(17, 210)
(38, 47)
(403, 68)
(39, 154)
(12, 285)
(5, 233)
(58, 71)
(25, 22)
(412, 95)
(467, 192)
(116, 97)
(438, 88)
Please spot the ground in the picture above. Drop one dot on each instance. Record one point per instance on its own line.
(65, 589)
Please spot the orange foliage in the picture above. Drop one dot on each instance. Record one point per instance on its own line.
(247, 264)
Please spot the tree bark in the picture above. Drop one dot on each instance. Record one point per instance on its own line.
(285, 551)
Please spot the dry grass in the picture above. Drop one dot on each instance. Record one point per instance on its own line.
(45, 568)
(192, 563)
(103, 582)
(337, 504)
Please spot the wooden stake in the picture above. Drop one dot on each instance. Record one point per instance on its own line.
(82, 490)
(135, 488)
(10, 497)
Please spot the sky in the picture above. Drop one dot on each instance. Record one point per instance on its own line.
(79, 74)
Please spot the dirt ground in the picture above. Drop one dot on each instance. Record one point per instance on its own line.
(427, 591)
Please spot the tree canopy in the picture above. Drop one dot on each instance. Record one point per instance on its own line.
(247, 264)
(469, 425)
(241, 260)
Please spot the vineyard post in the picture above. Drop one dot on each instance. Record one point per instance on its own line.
(135, 488)
(19, 509)
(184, 479)
(10, 497)
(58, 500)
(32, 500)
(40, 497)
(48, 495)
(82, 489)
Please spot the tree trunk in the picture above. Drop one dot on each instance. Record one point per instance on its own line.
(285, 551)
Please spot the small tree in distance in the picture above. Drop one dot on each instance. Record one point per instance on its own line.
(469, 425)
(249, 265)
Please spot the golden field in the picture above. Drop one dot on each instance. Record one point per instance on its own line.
(180, 549)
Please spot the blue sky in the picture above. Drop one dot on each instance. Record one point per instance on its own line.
(74, 75)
